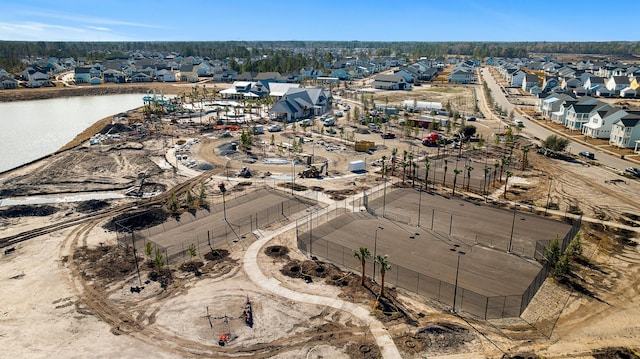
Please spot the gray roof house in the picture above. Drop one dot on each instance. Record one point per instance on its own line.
(299, 103)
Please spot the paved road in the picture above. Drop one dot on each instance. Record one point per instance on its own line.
(534, 129)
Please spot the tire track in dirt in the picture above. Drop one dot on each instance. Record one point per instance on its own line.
(140, 326)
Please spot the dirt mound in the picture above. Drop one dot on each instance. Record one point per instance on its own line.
(216, 255)
(136, 221)
(440, 337)
(92, 205)
(277, 252)
(115, 128)
(108, 263)
(28, 211)
(191, 266)
(615, 353)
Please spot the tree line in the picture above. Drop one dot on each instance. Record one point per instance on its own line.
(12, 51)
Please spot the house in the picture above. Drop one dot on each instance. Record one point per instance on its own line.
(603, 92)
(165, 75)
(579, 113)
(635, 83)
(408, 77)
(552, 103)
(628, 92)
(188, 74)
(617, 83)
(141, 77)
(341, 74)
(517, 77)
(82, 74)
(461, 75)
(238, 90)
(570, 84)
(38, 79)
(390, 82)
(267, 77)
(625, 133)
(301, 103)
(601, 122)
(95, 81)
(529, 81)
(278, 90)
(592, 84)
(549, 83)
(114, 76)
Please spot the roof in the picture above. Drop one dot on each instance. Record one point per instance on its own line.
(280, 89)
(388, 78)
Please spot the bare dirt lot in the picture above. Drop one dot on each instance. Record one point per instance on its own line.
(72, 287)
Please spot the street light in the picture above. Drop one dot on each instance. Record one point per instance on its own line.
(375, 247)
(546, 208)
(455, 286)
(513, 224)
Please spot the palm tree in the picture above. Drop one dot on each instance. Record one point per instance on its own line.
(504, 161)
(456, 172)
(362, 255)
(495, 170)
(384, 166)
(444, 178)
(469, 169)
(525, 156)
(427, 165)
(506, 182)
(394, 153)
(384, 267)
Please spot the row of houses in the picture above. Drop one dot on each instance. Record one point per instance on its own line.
(543, 76)
(594, 118)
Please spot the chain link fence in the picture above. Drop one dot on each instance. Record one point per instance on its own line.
(310, 241)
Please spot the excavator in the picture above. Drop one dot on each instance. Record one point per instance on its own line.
(314, 170)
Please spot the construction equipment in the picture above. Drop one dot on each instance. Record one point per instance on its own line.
(245, 172)
(314, 171)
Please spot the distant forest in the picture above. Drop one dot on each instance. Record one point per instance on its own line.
(11, 52)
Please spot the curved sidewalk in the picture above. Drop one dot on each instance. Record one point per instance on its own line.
(384, 341)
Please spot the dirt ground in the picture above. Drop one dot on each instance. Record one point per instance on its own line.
(89, 291)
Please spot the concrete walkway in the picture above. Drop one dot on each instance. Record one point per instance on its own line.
(379, 332)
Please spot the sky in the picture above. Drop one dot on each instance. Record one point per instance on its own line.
(345, 20)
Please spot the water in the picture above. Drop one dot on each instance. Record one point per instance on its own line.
(32, 129)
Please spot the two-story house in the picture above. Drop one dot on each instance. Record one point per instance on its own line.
(601, 121)
(625, 133)
(578, 114)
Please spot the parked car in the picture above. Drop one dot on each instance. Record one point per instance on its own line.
(633, 171)
(588, 155)
(274, 128)
(471, 119)
(388, 135)
(518, 123)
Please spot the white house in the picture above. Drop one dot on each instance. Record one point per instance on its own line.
(617, 83)
(517, 78)
(625, 132)
(600, 122)
(165, 75)
(579, 113)
(592, 84)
